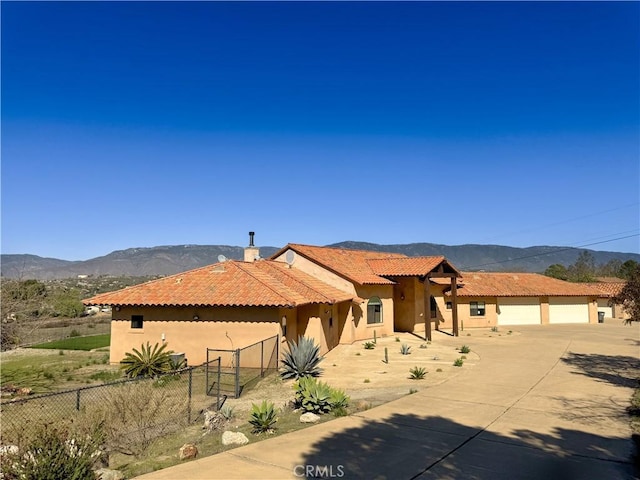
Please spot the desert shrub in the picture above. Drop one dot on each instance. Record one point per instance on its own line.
(105, 376)
(263, 417)
(75, 333)
(412, 391)
(405, 349)
(52, 454)
(458, 362)
(134, 415)
(369, 345)
(417, 373)
(494, 329)
(397, 339)
(147, 362)
(302, 359)
(465, 349)
(423, 345)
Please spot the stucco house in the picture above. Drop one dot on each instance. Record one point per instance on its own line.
(491, 299)
(332, 295)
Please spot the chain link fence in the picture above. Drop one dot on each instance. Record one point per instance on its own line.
(131, 412)
(242, 368)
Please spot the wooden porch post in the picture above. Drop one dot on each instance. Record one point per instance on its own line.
(454, 304)
(427, 309)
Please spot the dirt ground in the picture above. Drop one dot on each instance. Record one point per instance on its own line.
(368, 380)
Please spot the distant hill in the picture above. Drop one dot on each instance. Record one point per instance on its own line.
(167, 260)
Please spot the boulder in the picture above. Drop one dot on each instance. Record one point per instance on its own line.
(309, 417)
(10, 449)
(234, 438)
(187, 451)
(108, 474)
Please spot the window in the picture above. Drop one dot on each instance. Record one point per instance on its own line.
(477, 309)
(374, 310)
(136, 321)
(449, 305)
(434, 307)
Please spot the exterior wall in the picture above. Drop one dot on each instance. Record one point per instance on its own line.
(490, 318)
(363, 330)
(408, 305)
(225, 328)
(319, 272)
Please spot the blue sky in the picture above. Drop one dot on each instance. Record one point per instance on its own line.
(143, 124)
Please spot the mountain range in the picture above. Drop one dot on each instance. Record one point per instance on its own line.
(168, 260)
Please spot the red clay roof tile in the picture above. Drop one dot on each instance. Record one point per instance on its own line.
(232, 283)
(494, 284)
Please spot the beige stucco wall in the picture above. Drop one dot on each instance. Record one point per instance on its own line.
(226, 328)
(363, 330)
(465, 320)
(319, 272)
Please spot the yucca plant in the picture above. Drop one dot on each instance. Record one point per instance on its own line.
(263, 417)
(405, 349)
(417, 373)
(147, 362)
(302, 359)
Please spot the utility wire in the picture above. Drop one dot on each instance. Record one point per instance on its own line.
(562, 249)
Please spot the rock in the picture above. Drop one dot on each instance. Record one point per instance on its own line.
(309, 417)
(107, 474)
(234, 438)
(24, 391)
(187, 451)
(213, 420)
(10, 449)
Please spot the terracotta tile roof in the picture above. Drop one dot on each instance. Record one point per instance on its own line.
(232, 283)
(350, 264)
(493, 284)
(406, 267)
(608, 289)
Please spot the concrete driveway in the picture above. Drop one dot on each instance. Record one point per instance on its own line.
(546, 402)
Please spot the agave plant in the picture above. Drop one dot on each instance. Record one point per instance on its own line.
(417, 373)
(263, 417)
(302, 359)
(405, 349)
(147, 362)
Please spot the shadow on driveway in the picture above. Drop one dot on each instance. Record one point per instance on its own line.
(412, 446)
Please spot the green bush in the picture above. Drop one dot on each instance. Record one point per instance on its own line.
(417, 373)
(458, 362)
(302, 359)
(263, 417)
(465, 349)
(315, 396)
(369, 345)
(54, 454)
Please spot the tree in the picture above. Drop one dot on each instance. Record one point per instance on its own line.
(629, 296)
(627, 268)
(583, 270)
(557, 271)
(147, 362)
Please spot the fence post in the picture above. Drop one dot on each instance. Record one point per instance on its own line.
(78, 400)
(238, 373)
(190, 388)
(262, 358)
(218, 394)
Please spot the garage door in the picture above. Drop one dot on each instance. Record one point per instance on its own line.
(568, 310)
(603, 306)
(519, 311)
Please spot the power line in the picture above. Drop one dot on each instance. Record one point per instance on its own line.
(562, 249)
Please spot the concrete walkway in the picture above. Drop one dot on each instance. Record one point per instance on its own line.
(546, 402)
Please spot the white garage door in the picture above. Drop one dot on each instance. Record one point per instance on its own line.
(519, 311)
(568, 310)
(603, 306)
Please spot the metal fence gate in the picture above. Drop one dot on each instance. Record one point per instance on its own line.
(243, 367)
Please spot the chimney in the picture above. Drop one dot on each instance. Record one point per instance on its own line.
(251, 253)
